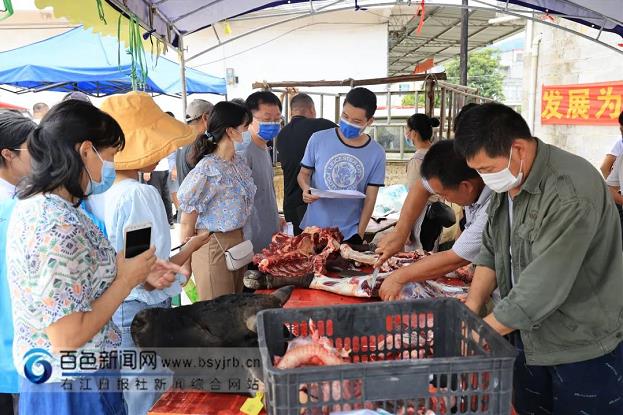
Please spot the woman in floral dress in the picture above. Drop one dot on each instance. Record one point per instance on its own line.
(217, 197)
(65, 279)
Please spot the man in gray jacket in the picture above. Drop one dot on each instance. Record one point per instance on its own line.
(552, 245)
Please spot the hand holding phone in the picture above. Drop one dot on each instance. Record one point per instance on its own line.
(137, 239)
(134, 271)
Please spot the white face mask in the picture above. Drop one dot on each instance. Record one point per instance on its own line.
(503, 180)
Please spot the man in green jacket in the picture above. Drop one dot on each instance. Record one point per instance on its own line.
(552, 245)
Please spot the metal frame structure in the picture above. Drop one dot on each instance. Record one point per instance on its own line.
(335, 7)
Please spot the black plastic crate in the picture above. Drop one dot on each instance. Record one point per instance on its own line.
(446, 360)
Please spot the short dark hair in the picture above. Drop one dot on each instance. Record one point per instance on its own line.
(254, 100)
(14, 130)
(362, 98)
(52, 146)
(462, 112)
(301, 101)
(239, 101)
(226, 114)
(490, 127)
(39, 106)
(444, 163)
(423, 124)
(621, 118)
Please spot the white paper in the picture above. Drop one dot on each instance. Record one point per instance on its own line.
(338, 194)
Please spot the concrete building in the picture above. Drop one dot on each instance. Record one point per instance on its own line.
(556, 57)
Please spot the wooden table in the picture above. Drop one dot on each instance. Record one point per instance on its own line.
(191, 402)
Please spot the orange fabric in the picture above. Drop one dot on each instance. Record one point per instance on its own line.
(150, 133)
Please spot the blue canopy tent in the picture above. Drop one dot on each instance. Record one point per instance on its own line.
(82, 60)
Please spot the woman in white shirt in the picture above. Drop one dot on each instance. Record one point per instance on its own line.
(419, 133)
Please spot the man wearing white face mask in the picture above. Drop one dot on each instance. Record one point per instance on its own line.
(344, 158)
(552, 245)
(264, 220)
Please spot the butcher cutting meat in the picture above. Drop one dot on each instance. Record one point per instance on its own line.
(447, 174)
(315, 259)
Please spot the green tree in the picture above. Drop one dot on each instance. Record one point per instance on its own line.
(409, 100)
(483, 72)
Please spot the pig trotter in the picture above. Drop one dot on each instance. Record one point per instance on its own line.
(254, 280)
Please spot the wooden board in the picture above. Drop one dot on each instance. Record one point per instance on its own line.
(198, 403)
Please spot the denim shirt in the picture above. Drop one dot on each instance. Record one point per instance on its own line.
(566, 258)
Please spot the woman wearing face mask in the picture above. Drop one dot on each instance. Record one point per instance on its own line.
(65, 278)
(217, 197)
(419, 134)
(14, 165)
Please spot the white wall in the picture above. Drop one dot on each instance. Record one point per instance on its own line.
(332, 46)
(566, 58)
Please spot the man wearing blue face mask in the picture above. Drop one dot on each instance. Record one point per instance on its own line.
(552, 245)
(264, 221)
(344, 158)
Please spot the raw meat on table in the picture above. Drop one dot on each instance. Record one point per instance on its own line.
(360, 287)
(300, 255)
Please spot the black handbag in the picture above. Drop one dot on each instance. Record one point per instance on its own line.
(438, 216)
(441, 213)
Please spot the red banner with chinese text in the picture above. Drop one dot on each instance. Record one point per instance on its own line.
(585, 104)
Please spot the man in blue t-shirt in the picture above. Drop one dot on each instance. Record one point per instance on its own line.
(344, 158)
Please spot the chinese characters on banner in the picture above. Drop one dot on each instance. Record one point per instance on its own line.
(585, 104)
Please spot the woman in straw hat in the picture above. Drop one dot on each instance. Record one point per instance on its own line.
(150, 135)
(217, 197)
(65, 278)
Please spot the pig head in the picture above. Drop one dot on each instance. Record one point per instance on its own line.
(226, 321)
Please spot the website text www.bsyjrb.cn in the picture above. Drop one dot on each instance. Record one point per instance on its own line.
(208, 369)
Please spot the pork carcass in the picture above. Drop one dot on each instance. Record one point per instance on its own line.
(361, 286)
(297, 256)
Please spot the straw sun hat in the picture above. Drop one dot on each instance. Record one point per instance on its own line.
(150, 133)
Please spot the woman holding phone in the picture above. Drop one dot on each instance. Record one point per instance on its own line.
(217, 197)
(66, 280)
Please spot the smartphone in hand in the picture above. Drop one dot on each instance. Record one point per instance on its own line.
(137, 239)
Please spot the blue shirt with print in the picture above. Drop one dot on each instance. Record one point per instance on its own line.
(337, 165)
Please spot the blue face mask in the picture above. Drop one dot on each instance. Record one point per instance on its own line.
(246, 140)
(350, 131)
(108, 177)
(268, 130)
(408, 142)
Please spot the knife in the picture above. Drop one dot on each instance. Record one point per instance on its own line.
(375, 275)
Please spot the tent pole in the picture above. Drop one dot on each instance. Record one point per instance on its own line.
(464, 40)
(182, 74)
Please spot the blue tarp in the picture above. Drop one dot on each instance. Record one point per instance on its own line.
(81, 60)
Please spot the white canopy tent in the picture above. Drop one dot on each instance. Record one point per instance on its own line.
(171, 20)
